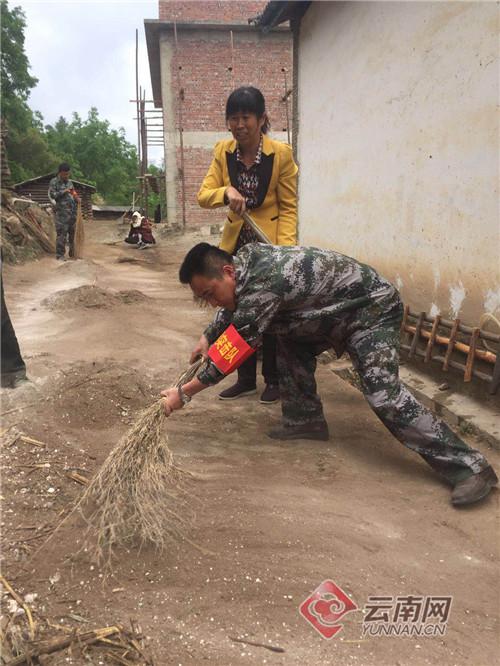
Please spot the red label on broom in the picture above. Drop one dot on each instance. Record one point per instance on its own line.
(229, 351)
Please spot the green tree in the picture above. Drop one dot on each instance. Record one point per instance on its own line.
(17, 82)
(98, 154)
(153, 198)
(26, 145)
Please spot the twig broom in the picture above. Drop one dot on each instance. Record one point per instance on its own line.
(139, 493)
(79, 241)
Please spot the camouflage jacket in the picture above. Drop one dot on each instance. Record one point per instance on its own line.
(319, 296)
(65, 203)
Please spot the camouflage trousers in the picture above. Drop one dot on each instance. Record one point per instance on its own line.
(375, 356)
(65, 231)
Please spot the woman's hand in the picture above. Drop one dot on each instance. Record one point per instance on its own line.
(201, 349)
(171, 400)
(235, 200)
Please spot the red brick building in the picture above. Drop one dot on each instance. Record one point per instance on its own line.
(198, 53)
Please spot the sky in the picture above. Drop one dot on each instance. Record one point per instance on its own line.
(83, 54)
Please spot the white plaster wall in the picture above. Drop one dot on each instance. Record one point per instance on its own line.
(398, 145)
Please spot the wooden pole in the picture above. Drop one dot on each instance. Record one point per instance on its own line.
(137, 94)
(180, 96)
(144, 136)
(285, 97)
(432, 339)
(232, 59)
(416, 334)
(471, 356)
(451, 343)
(258, 231)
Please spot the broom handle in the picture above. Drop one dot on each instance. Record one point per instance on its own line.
(189, 373)
(254, 226)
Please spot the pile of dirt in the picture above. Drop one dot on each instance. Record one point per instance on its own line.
(91, 296)
(88, 393)
(27, 229)
(49, 463)
(106, 393)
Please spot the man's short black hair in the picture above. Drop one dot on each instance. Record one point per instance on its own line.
(64, 166)
(204, 259)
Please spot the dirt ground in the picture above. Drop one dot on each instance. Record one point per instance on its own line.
(278, 517)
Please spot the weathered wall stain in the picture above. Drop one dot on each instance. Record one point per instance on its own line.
(398, 146)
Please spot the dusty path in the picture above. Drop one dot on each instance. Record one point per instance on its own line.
(279, 517)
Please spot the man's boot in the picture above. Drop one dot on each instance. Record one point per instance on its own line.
(474, 488)
(317, 431)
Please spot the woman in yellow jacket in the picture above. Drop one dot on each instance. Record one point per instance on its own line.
(255, 173)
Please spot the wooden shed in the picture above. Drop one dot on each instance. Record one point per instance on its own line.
(37, 189)
(110, 212)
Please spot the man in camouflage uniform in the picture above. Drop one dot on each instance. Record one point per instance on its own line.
(63, 195)
(313, 300)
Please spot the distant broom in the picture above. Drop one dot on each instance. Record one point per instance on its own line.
(79, 241)
(139, 494)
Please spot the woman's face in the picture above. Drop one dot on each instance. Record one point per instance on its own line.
(245, 127)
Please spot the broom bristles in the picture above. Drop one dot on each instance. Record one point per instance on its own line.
(139, 493)
(79, 241)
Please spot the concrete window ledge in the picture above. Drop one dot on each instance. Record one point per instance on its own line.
(464, 413)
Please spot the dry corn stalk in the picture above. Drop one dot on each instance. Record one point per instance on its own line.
(50, 646)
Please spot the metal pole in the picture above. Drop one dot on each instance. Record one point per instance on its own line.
(232, 60)
(180, 92)
(144, 135)
(144, 163)
(137, 94)
(285, 97)
(146, 196)
(253, 225)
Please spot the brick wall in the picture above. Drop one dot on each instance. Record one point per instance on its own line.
(213, 11)
(210, 70)
(207, 81)
(196, 163)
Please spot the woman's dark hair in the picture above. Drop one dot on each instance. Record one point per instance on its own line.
(250, 100)
(203, 259)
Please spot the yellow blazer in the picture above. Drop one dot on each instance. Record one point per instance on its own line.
(276, 213)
